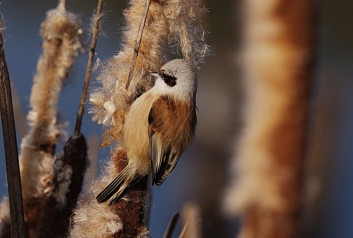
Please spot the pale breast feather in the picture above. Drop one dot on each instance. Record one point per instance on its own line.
(135, 132)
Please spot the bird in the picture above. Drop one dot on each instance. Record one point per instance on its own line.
(158, 127)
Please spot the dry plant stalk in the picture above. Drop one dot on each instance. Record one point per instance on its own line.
(171, 226)
(166, 20)
(95, 33)
(58, 204)
(16, 220)
(60, 46)
(138, 42)
(191, 217)
(277, 55)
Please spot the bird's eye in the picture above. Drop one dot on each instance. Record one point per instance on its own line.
(168, 79)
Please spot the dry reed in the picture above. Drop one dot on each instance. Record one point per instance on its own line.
(191, 217)
(60, 45)
(268, 166)
(18, 229)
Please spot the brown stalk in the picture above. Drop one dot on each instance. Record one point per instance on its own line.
(191, 218)
(277, 67)
(132, 209)
(96, 26)
(11, 155)
(54, 220)
(138, 42)
(171, 226)
(62, 4)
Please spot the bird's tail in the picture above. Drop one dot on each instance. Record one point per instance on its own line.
(119, 186)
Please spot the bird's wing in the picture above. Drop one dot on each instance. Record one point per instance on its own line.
(118, 187)
(119, 183)
(163, 160)
(169, 133)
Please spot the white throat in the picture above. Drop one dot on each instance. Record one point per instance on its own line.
(183, 90)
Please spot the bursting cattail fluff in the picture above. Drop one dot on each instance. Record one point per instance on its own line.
(60, 45)
(111, 100)
(169, 23)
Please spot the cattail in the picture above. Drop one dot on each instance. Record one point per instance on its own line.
(168, 22)
(277, 52)
(58, 203)
(60, 34)
(92, 219)
(111, 101)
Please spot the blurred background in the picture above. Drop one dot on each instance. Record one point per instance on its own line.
(202, 173)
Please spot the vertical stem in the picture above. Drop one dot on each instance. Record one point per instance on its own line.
(62, 4)
(277, 70)
(89, 66)
(191, 217)
(171, 226)
(11, 154)
(138, 41)
(132, 211)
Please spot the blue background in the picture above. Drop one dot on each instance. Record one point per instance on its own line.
(201, 174)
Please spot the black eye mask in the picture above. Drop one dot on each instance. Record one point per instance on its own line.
(168, 79)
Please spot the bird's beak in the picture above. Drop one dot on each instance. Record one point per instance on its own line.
(153, 77)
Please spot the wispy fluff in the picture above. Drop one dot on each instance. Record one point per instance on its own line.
(92, 219)
(60, 33)
(4, 211)
(186, 30)
(60, 45)
(172, 23)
